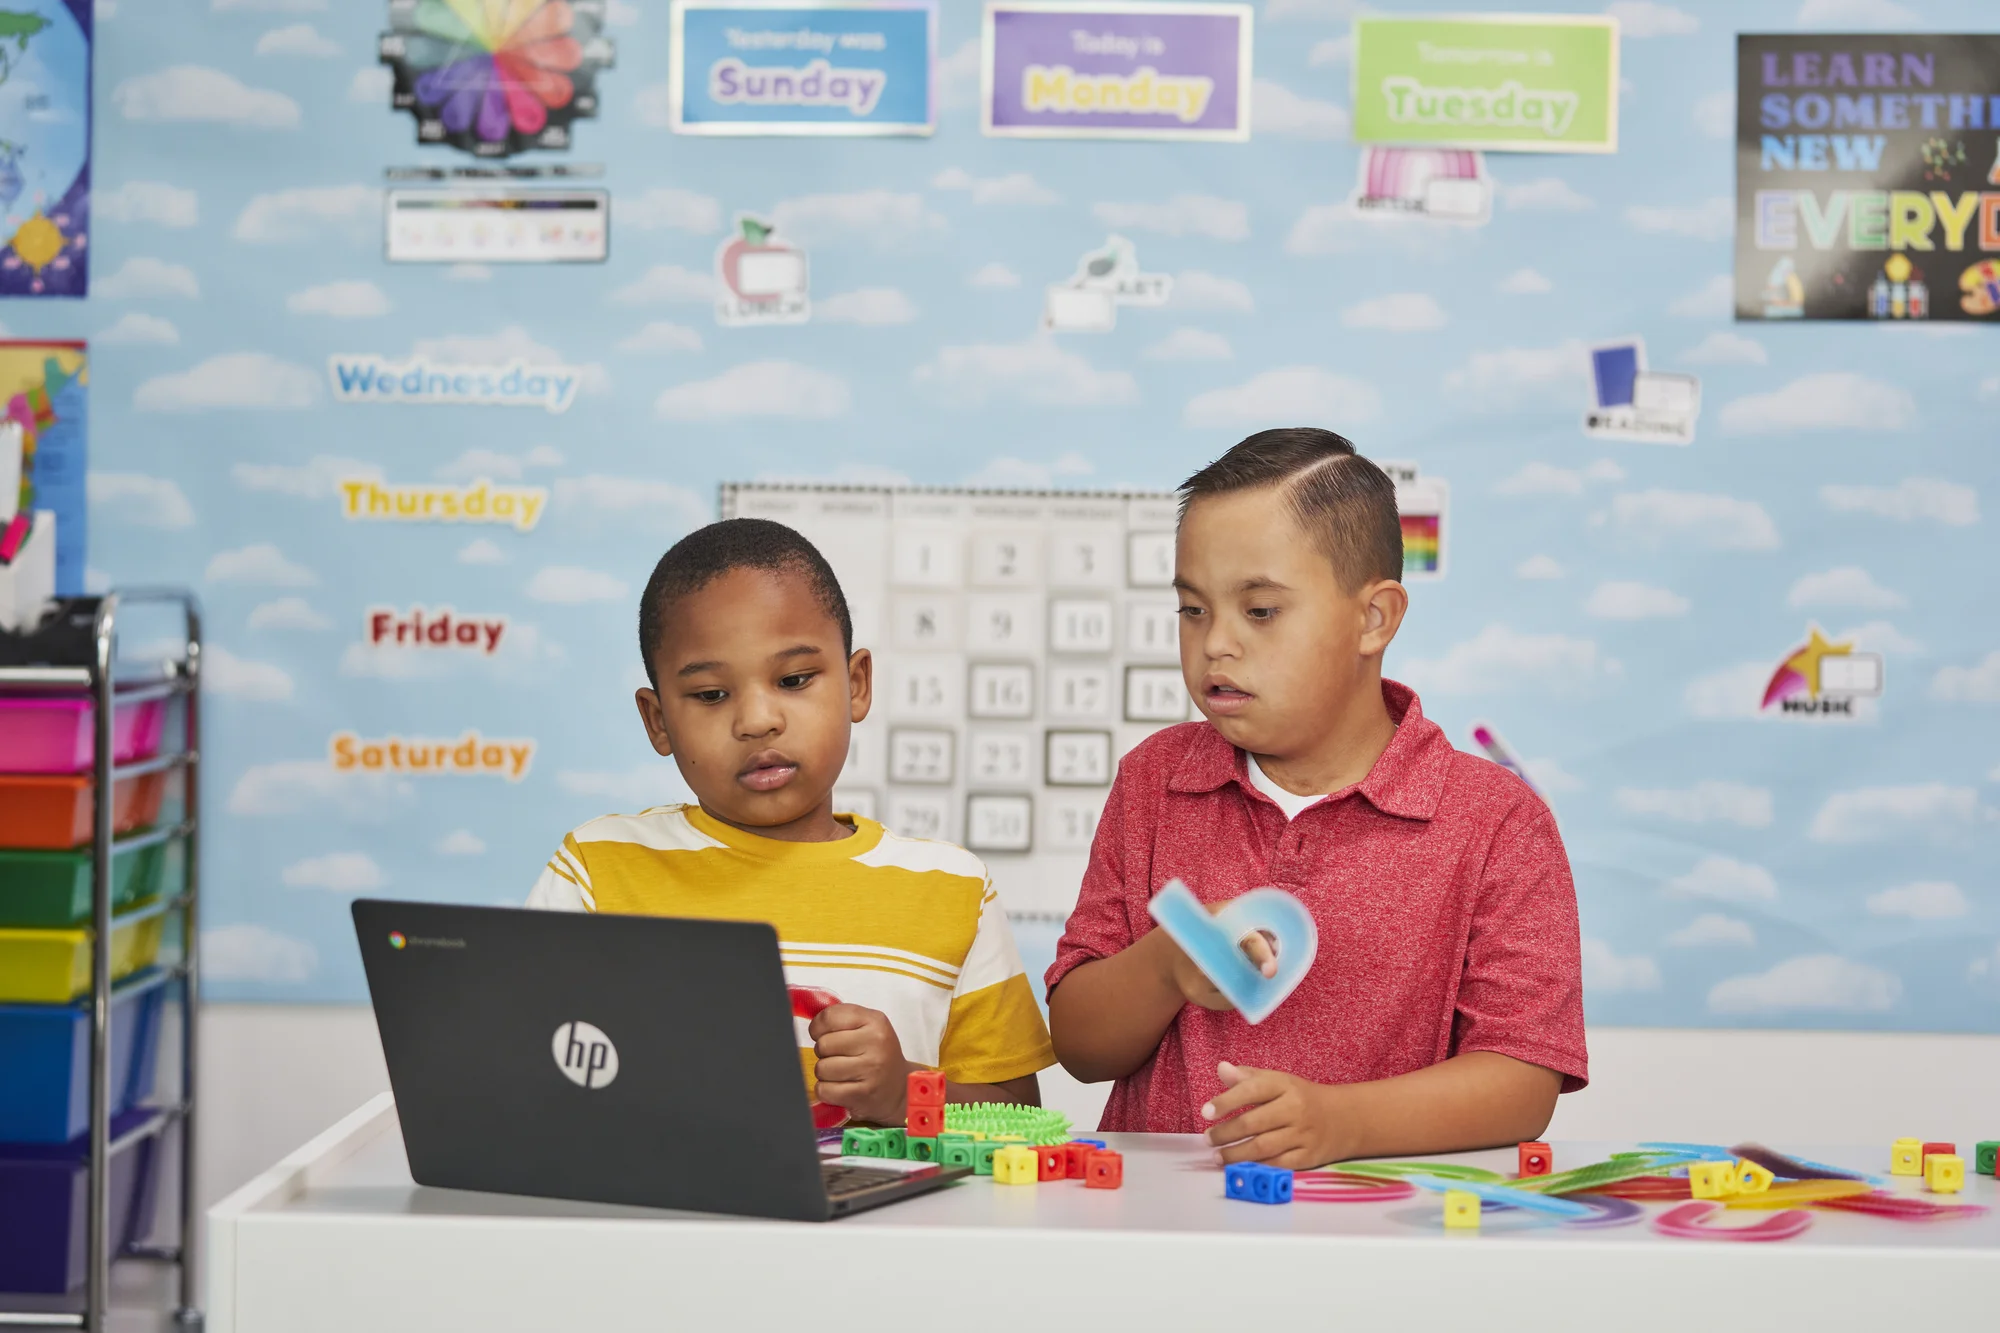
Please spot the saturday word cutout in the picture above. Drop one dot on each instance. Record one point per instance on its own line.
(470, 753)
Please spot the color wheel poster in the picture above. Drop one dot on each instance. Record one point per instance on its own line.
(1868, 177)
(44, 146)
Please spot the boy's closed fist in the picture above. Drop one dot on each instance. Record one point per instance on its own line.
(860, 1063)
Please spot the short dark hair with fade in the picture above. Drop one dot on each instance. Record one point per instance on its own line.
(1343, 502)
(706, 554)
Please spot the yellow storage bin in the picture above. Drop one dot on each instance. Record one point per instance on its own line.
(53, 966)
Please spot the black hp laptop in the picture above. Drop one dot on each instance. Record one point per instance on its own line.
(615, 1059)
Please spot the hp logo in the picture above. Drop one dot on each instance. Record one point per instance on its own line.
(585, 1055)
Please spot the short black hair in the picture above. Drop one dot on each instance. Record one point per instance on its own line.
(1345, 503)
(706, 554)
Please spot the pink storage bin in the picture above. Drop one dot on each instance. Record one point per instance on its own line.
(52, 733)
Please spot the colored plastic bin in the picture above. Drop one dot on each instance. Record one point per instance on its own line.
(45, 1051)
(57, 733)
(45, 1211)
(53, 966)
(52, 889)
(48, 812)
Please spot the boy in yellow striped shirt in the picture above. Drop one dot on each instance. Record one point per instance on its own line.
(755, 686)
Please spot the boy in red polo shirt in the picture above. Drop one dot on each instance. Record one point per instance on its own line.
(1445, 1008)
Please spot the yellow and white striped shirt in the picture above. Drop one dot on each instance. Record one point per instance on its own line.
(904, 925)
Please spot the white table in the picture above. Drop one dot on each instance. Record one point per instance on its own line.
(338, 1237)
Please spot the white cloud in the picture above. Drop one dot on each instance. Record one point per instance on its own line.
(372, 84)
(635, 789)
(1604, 470)
(509, 344)
(662, 336)
(1008, 473)
(1541, 567)
(1715, 522)
(654, 105)
(137, 329)
(783, 389)
(664, 207)
(318, 478)
(1539, 478)
(667, 283)
(297, 39)
(1330, 51)
(1287, 396)
(141, 278)
(1276, 109)
(1606, 972)
(288, 613)
(154, 202)
(886, 217)
(140, 501)
(571, 584)
(1844, 585)
(1195, 289)
(231, 380)
(1841, 15)
(1726, 880)
(1706, 802)
(1341, 229)
(1508, 376)
(1830, 400)
(1623, 599)
(993, 275)
(258, 563)
(1203, 215)
(1501, 658)
(1647, 18)
(1524, 282)
(1399, 312)
(1879, 636)
(309, 212)
(1973, 684)
(1548, 194)
(481, 551)
(1189, 344)
(461, 842)
(197, 93)
(480, 461)
(268, 6)
(1726, 348)
(255, 953)
(1870, 814)
(336, 872)
(1712, 930)
(1037, 372)
(467, 273)
(299, 786)
(1714, 299)
(866, 305)
(1736, 691)
(1715, 114)
(660, 503)
(1016, 189)
(1912, 498)
(1815, 981)
(1550, 776)
(1922, 900)
(958, 77)
(847, 473)
(225, 674)
(1712, 219)
(353, 298)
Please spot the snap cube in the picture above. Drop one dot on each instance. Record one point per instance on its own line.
(926, 1122)
(893, 1141)
(1752, 1178)
(1944, 1173)
(926, 1088)
(1986, 1157)
(1947, 1149)
(1052, 1163)
(954, 1150)
(1104, 1171)
(1906, 1157)
(1236, 1180)
(1015, 1165)
(983, 1154)
(1075, 1157)
(1536, 1159)
(920, 1150)
(859, 1142)
(1712, 1180)
(1095, 1143)
(1253, 1182)
(1461, 1210)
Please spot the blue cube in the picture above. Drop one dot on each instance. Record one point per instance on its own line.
(1253, 1182)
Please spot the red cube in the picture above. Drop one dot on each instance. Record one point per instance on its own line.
(1076, 1159)
(926, 1122)
(1536, 1159)
(926, 1088)
(1051, 1162)
(1103, 1170)
(1941, 1149)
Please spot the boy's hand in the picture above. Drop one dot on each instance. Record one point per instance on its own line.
(1288, 1122)
(860, 1063)
(1194, 986)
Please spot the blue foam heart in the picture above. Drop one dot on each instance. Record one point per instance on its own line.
(1213, 942)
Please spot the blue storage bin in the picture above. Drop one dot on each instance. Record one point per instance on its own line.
(45, 1060)
(45, 1210)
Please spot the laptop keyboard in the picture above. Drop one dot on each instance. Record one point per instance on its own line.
(841, 1179)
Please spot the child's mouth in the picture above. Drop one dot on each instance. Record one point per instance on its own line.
(767, 772)
(1227, 698)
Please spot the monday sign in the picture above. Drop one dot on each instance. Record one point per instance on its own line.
(796, 67)
(1117, 71)
(1524, 83)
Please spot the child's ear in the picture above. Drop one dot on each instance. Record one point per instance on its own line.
(1383, 607)
(860, 684)
(655, 719)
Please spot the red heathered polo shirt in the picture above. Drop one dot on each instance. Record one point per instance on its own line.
(1446, 915)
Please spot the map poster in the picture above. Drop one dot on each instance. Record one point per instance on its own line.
(43, 415)
(44, 147)
(1868, 176)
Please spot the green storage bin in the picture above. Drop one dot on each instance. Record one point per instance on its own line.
(52, 889)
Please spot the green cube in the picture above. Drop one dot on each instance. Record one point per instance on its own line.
(920, 1150)
(860, 1142)
(956, 1150)
(1987, 1157)
(893, 1140)
(982, 1157)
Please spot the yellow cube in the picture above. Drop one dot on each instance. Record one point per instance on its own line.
(1712, 1180)
(1944, 1173)
(1752, 1178)
(1016, 1165)
(1906, 1157)
(1461, 1209)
